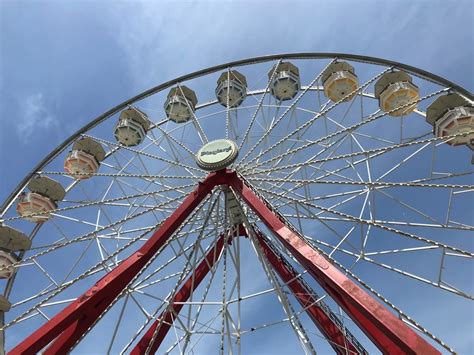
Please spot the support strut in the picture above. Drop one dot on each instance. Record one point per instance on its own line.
(72, 322)
(158, 330)
(390, 334)
(167, 318)
(340, 339)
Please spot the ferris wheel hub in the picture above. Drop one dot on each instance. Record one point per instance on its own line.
(217, 155)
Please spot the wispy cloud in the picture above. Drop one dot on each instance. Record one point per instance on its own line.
(35, 116)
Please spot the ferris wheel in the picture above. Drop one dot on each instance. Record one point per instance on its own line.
(293, 203)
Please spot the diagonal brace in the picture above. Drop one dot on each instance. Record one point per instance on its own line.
(341, 340)
(158, 330)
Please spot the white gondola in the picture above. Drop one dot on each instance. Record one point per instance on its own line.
(449, 115)
(339, 80)
(131, 127)
(11, 241)
(180, 104)
(43, 196)
(236, 85)
(84, 158)
(286, 81)
(7, 261)
(396, 89)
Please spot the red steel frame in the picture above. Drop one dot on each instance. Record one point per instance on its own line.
(336, 338)
(389, 334)
(73, 321)
(333, 333)
(167, 318)
(155, 336)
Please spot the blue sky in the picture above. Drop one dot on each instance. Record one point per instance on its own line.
(63, 63)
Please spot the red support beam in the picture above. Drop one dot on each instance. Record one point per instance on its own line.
(72, 322)
(390, 334)
(167, 318)
(332, 332)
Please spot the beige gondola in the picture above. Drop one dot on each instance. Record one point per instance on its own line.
(396, 89)
(11, 241)
(452, 114)
(180, 104)
(84, 158)
(43, 196)
(131, 127)
(286, 81)
(235, 84)
(339, 80)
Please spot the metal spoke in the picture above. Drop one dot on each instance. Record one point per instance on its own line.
(367, 188)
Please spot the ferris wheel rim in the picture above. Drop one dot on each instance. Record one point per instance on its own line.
(209, 70)
(60, 149)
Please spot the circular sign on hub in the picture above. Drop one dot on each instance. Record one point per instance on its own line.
(217, 155)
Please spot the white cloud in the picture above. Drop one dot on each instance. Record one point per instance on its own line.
(35, 116)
